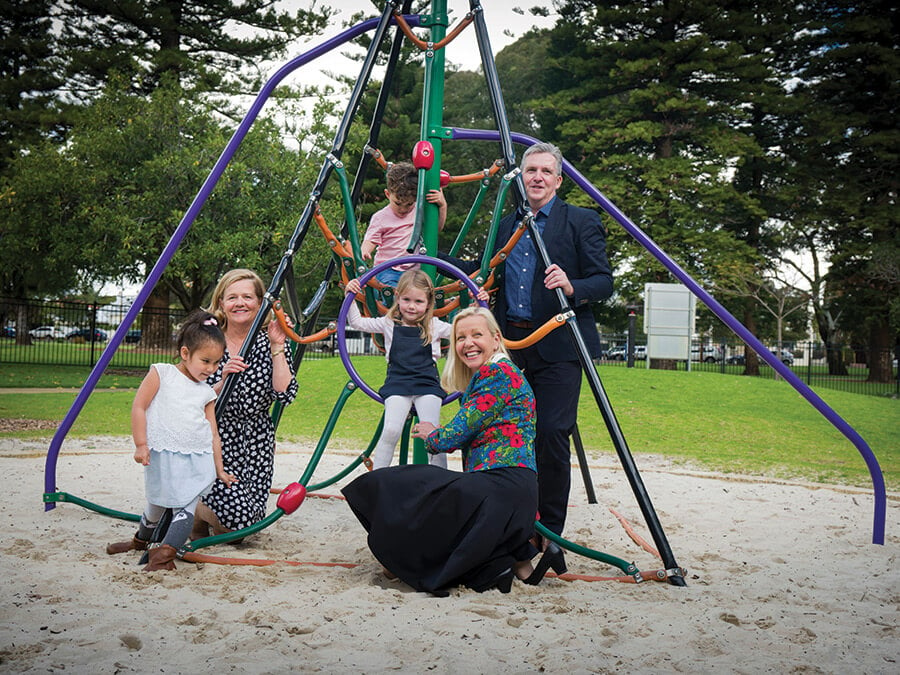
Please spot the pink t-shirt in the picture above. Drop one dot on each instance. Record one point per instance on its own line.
(390, 234)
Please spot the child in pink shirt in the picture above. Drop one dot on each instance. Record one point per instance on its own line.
(390, 228)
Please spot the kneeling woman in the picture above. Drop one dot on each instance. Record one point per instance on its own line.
(434, 528)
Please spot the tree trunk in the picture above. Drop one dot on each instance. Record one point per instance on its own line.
(22, 336)
(880, 356)
(834, 356)
(663, 364)
(751, 359)
(155, 329)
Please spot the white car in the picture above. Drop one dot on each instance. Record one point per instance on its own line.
(621, 353)
(711, 354)
(47, 333)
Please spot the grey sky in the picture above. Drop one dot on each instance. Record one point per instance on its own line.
(506, 21)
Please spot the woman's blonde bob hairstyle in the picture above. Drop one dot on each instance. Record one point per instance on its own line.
(239, 274)
(456, 375)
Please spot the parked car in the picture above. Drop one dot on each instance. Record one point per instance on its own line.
(133, 336)
(711, 354)
(358, 342)
(47, 333)
(615, 354)
(84, 335)
(8, 332)
(621, 353)
(787, 358)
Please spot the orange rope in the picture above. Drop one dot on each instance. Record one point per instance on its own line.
(194, 557)
(421, 44)
(485, 173)
(332, 240)
(499, 257)
(330, 329)
(377, 156)
(550, 325)
(635, 537)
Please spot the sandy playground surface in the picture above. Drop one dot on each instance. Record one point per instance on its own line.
(781, 577)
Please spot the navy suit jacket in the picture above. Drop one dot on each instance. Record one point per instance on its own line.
(576, 241)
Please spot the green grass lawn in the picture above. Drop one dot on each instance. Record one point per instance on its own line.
(701, 419)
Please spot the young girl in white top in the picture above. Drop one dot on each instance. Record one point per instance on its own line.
(412, 346)
(173, 423)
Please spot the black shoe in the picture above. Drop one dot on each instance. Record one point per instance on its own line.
(503, 583)
(553, 557)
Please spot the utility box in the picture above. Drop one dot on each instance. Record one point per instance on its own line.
(669, 312)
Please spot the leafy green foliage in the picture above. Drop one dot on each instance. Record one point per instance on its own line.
(28, 81)
(208, 46)
(847, 157)
(113, 196)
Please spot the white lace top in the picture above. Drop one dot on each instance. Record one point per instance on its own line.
(176, 418)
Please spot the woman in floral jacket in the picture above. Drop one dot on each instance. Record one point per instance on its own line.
(436, 529)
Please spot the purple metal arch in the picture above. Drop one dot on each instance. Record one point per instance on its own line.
(183, 227)
(739, 329)
(363, 280)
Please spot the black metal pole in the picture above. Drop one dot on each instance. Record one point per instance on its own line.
(583, 465)
(632, 319)
(673, 571)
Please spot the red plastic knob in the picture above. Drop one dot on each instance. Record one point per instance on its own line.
(291, 498)
(445, 178)
(423, 155)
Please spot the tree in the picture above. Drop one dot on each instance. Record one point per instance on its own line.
(846, 159)
(27, 78)
(109, 200)
(209, 45)
(201, 48)
(646, 110)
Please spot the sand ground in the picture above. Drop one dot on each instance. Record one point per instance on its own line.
(781, 577)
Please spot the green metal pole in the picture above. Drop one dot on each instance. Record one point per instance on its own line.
(432, 130)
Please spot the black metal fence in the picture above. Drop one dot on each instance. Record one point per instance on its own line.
(807, 359)
(76, 333)
(70, 333)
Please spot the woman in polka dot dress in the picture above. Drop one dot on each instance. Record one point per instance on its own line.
(245, 425)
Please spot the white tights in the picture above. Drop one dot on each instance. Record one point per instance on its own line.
(396, 409)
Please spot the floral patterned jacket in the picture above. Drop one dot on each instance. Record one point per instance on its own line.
(495, 426)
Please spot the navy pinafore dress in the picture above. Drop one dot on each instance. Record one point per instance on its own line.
(411, 369)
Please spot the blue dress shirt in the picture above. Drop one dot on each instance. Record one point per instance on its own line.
(520, 269)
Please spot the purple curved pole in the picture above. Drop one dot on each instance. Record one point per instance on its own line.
(739, 329)
(363, 280)
(183, 227)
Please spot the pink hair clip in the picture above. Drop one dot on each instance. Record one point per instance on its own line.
(211, 321)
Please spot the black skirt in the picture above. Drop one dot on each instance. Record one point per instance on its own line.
(435, 528)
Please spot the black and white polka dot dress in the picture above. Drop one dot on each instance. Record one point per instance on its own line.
(248, 439)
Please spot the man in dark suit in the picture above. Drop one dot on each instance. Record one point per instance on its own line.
(526, 298)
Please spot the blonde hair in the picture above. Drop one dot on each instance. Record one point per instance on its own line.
(456, 375)
(415, 278)
(215, 304)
